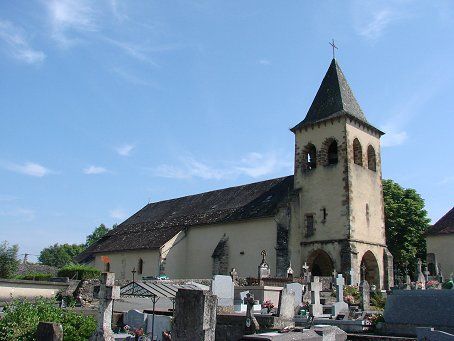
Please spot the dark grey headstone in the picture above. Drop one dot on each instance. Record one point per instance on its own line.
(429, 308)
(49, 331)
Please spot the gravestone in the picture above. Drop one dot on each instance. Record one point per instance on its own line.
(352, 277)
(316, 309)
(234, 276)
(162, 323)
(251, 324)
(264, 268)
(364, 290)
(407, 282)
(290, 271)
(108, 292)
(407, 309)
(222, 286)
(298, 290)
(305, 273)
(243, 296)
(49, 331)
(286, 308)
(135, 319)
(426, 273)
(340, 306)
(195, 316)
(419, 275)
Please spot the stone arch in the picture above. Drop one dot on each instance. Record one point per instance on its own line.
(371, 158)
(357, 152)
(309, 157)
(329, 153)
(320, 263)
(372, 274)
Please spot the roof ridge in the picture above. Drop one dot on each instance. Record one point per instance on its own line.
(219, 189)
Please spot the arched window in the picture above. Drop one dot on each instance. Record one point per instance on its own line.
(140, 266)
(332, 153)
(309, 158)
(357, 152)
(371, 158)
(107, 267)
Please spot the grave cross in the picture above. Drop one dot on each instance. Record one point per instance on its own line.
(333, 45)
(340, 282)
(108, 292)
(426, 273)
(363, 272)
(316, 308)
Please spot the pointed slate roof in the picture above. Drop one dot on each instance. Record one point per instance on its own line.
(443, 226)
(333, 98)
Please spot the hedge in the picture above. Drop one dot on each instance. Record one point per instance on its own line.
(35, 276)
(79, 272)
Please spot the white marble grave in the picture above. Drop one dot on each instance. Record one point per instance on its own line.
(222, 286)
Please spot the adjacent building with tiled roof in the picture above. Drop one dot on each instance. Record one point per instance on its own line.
(440, 244)
(328, 214)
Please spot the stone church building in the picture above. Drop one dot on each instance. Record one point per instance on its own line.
(328, 214)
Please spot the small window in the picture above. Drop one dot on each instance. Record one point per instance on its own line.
(309, 157)
(357, 152)
(371, 158)
(140, 266)
(367, 213)
(107, 267)
(332, 153)
(309, 225)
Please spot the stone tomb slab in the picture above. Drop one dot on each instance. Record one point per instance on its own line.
(135, 319)
(298, 290)
(222, 286)
(161, 323)
(420, 308)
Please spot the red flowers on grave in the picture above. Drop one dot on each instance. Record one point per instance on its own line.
(268, 305)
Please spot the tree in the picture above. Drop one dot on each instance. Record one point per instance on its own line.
(60, 255)
(8, 260)
(97, 234)
(406, 223)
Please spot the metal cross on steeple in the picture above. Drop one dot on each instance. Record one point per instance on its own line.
(334, 47)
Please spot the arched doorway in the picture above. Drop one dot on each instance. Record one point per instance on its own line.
(372, 272)
(320, 263)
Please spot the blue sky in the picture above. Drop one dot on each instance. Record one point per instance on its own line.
(107, 105)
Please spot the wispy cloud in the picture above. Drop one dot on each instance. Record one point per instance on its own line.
(18, 213)
(446, 180)
(393, 136)
(264, 62)
(137, 51)
(118, 214)
(70, 16)
(372, 19)
(254, 165)
(131, 78)
(125, 149)
(17, 44)
(94, 170)
(28, 168)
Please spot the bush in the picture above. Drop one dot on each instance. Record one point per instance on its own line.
(79, 271)
(35, 277)
(21, 319)
(378, 300)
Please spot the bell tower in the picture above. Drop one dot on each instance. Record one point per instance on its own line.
(337, 176)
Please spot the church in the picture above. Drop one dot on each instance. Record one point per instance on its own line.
(328, 215)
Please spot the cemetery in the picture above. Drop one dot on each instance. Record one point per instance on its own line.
(227, 307)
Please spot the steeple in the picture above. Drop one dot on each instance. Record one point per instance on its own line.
(333, 98)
